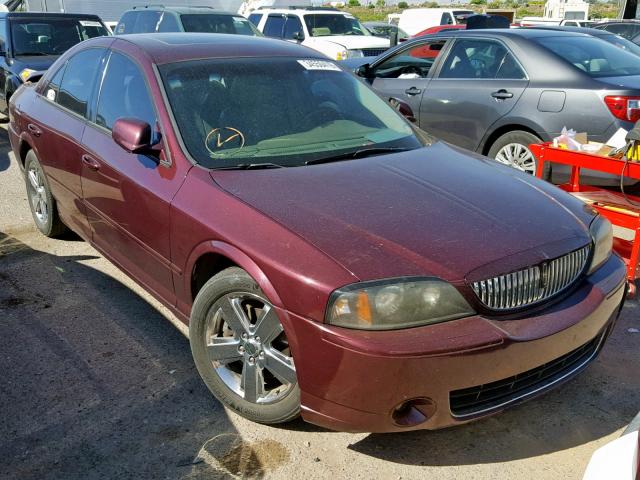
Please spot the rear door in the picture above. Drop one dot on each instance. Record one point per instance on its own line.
(127, 195)
(479, 82)
(406, 74)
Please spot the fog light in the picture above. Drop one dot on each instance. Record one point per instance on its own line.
(413, 412)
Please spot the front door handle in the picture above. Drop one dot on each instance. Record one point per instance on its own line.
(35, 131)
(413, 91)
(91, 162)
(502, 94)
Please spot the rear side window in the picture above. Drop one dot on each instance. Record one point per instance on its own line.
(216, 23)
(274, 26)
(79, 79)
(255, 18)
(124, 93)
(446, 19)
(53, 87)
(147, 22)
(168, 23)
(481, 59)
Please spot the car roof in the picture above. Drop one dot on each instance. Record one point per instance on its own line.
(48, 15)
(182, 10)
(164, 48)
(587, 30)
(511, 33)
(318, 10)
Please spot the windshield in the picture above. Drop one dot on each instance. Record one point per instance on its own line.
(213, 23)
(51, 36)
(307, 110)
(593, 56)
(323, 25)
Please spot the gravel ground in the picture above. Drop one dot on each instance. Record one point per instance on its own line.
(96, 382)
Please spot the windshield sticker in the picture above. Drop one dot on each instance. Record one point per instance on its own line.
(319, 65)
(51, 94)
(90, 23)
(222, 139)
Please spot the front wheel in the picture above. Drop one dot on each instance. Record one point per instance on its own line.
(241, 350)
(512, 149)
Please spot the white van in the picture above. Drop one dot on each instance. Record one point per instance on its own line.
(415, 20)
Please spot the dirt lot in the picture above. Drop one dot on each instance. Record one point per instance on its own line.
(95, 382)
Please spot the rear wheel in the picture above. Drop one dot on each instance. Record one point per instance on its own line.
(512, 149)
(241, 350)
(43, 206)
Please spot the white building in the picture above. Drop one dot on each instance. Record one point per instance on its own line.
(566, 9)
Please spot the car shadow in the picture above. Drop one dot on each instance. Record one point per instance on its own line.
(96, 383)
(5, 148)
(600, 401)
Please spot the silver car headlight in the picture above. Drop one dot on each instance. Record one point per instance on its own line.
(396, 303)
(602, 234)
(355, 54)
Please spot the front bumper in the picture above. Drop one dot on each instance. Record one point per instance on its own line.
(354, 380)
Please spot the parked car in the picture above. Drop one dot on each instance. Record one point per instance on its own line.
(339, 35)
(629, 29)
(414, 20)
(619, 459)
(384, 29)
(31, 42)
(497, 91)
(315, 238)
(158, 18)
(438, 29)
(577, 23)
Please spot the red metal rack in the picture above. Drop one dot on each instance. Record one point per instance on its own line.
(610, 204)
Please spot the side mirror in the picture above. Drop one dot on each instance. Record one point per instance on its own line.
(298, 36)
(404, 109)
(364, 71)
(133, 135)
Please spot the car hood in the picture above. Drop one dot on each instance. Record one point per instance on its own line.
(434, 211)
(33, 62)
(351, 42)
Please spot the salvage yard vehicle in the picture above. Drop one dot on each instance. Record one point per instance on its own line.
(158, 18)
(315, 238)
(31, 42)
(496, 92)
(339, 35)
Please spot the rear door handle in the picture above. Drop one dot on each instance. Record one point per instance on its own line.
(502, 94)
(35, 131)
(413, 91)
(91, 162)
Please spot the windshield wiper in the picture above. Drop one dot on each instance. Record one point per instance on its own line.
(249, 166)
(363, 152)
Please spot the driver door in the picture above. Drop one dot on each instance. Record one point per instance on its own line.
(405, 75)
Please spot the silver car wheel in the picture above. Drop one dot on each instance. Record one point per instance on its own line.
(517, 156)
(38, 195)
(248, 349)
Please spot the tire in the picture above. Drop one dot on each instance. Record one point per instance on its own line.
(43, 206)
(224, 343)
(512, 149)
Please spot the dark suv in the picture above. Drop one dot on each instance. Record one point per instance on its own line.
(31, 42)
(157, 18)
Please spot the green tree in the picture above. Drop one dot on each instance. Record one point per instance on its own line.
(354, 3)
(371, 6)
(380, 3)
(403, 5)
(478, 2)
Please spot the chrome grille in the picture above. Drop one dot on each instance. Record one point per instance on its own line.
(533, 284)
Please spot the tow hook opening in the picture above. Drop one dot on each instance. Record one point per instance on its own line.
(413, 412)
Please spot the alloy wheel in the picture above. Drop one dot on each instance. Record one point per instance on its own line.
(38, 195)
(248, 348)
(517, 156)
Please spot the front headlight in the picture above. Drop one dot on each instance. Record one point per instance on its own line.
(602, 234)
(24, 74)
(355, 54)
(396, 303)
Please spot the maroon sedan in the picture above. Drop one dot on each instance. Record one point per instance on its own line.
(329, 259)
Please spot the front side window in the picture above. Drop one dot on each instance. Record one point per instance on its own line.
(168, 23)
(593, 56)
(146, 21)
(446, 19)
(255, 18)
(51, 36)
(274, 26)
(79, 80)
(323, 25)
(215, 23)
(308, 110)
(123, 93)
(480, 59)
(292, 27)
(415, 62)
